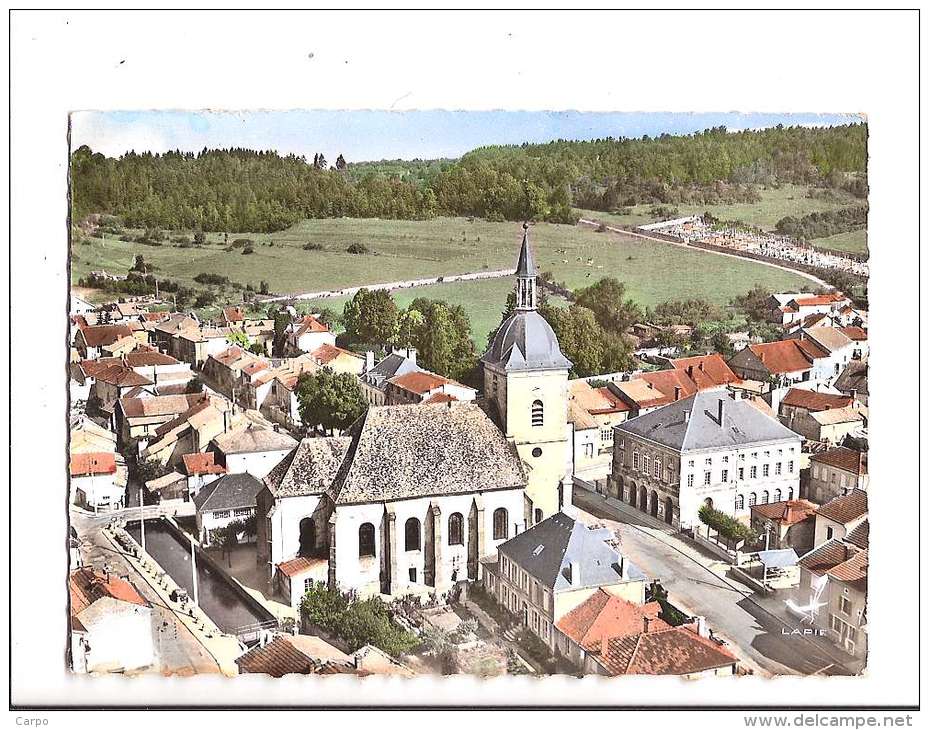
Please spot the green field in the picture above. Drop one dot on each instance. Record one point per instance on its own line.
(854, 241)
(775, 204)
(653, 271)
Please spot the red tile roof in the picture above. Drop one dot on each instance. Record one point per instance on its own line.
(846, 508)
(860, 534)
(619, 404)
(675, 651)
(419, 381)
(310, 324)
(105, 334)
(786, 356)
(819, 300)
(813, 401)
(327, 353)
(280, 657)
(854, 333)
(440, 398)
(119, 374)
(233, 314)
(88, 585)
(841, 457)
(202, 463)
(706, 370)
(93, 462)
(788, 512)
(605, 616)
(296, 566)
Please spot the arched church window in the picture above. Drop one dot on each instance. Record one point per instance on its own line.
(307, 537)
(501, 524)
(411, 534)
(455, 529)
(538, 413)
(366, 544)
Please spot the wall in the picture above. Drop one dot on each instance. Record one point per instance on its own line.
(256, 463)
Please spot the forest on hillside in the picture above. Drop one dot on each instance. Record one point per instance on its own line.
(240, 190)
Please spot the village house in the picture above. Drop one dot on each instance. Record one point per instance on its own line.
(253, 448)
(200, 469)
(192, 431)
(233, 316)
(228, 499)
(822, 417)
(859, 338)
(194, 346)
(425, 387)
(226, 372)
(407, 503)
(339, 360)
(853, 380)
(137, 418)
(592, 413)
(111, 624)
(281, 405)
(787, 524)
(783, 362)
(679, 650)
(835, 472)
(713, 448)
(159, 368)
(165, 333)
(837, 571)
(840, 515)
(91, 341)
(300, 654)
(401, 361)
(839, 348)
(541, 574)
(306, 335)
(787, 308)
(94, 481)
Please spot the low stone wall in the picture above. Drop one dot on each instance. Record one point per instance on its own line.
(730, 556)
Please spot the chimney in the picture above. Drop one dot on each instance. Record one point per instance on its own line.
(690, 372)
(645, 621)
(226, 421)
(575, 568)
(686, 416)
(701, 627)
(700, 365)
(677, 392)
(719, 412)
(411, 354)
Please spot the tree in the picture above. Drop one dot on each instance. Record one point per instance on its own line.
(238, 337)
(340, 163)
(754, 303)
(608, 301)
(139, 263)
(199, 238)
(282, 321)
(409, 322)
(370, 316)
(329, 400)
(149, 469)
(443, 340)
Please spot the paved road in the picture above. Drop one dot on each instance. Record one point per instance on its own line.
(752, 626)
(637, 234)
(177, 650)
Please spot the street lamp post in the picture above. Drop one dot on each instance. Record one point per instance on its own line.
(767, 543)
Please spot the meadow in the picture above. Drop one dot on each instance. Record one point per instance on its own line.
(400, 250)
(853, 241)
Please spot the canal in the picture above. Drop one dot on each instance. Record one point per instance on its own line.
(227, 604)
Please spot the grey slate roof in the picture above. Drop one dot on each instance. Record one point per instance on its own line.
(525, 341)
(743, 423)
(547, 550)
(392, 365)
(309, 469)
(424, 450)
(526, 264)
(233, 491)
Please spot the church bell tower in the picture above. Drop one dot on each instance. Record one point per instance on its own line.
(526, 376)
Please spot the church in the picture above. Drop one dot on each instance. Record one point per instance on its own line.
(412, 497)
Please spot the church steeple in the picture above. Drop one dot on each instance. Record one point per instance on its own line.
(525, 276)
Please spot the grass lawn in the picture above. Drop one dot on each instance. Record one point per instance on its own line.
(853, 241)
(653, 272)
(774, 205)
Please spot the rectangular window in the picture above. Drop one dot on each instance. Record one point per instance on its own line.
(754, 454)
(646, 466)
(753, 472)
(725, 475)
(606, 434)
(690, 462)
(741, 473)
(725, 460)
(690, 481)
(777, 469)
(221, 514)
(706, 477)
(635, 460)
(765, 470)
(845, 606)
(790, 467)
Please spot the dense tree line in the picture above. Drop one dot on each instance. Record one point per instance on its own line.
(824, 224)
(244, 190)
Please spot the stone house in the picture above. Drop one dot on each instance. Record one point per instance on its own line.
(788, 524)
(252, 448)
(307, 334)
(400, 361)
(835, 472)
(94, 481)
(545, 572)
(714, 448)
(224, 501)
(839, 516)
(421, 386)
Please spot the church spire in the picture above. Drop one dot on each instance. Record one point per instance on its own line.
(525, 275)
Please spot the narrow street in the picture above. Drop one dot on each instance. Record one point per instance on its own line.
(753, 626)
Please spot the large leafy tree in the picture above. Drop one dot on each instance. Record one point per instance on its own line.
(370, 316)
(443, 339)
(608, 301)
(329, 400)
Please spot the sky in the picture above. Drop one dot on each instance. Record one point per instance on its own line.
(383, 135)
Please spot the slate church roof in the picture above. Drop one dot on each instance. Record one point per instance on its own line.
(309, 469)
(424, 450)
